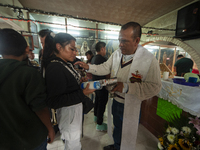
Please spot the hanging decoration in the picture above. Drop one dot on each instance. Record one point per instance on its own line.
(20, 14)
(68, 25)
(50, 23)
(70, 16)
(151, 28)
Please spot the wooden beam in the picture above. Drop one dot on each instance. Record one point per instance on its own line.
(159, 54)
(174, 60)
(29, 24)
(66, 24)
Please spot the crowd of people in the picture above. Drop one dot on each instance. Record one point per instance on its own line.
(28, 95)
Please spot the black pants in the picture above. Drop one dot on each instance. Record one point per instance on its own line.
(101, 100)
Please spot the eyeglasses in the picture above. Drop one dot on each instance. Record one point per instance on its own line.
(74, 49)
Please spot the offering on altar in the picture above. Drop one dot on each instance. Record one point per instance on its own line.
(188, 76)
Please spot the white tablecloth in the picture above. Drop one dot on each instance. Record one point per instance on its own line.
(185, 97)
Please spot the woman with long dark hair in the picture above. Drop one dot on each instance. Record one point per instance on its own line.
(48, 51)
(63, 90)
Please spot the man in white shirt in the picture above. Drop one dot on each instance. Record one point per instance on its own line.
(138, 73)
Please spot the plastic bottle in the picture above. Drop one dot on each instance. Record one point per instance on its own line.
(93, 85)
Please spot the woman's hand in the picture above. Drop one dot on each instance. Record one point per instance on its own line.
(87, 91)
(83, 79)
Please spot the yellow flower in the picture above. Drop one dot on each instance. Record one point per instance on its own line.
(161, 140)
(185, 145)
(173, 147)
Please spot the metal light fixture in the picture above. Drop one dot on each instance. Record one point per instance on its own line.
(20, 14)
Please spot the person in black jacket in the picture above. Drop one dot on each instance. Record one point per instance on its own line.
(24, 116)
(101, 98)
(64, 92)
(183, 65)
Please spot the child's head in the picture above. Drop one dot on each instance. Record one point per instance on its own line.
(12, 43)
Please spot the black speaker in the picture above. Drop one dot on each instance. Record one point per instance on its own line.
(188, 21)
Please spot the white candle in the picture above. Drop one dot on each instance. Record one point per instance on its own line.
(165, 75)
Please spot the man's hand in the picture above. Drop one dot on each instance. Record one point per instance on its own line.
(119, 87)
(82, 64)
(44, 116)
(51, 135)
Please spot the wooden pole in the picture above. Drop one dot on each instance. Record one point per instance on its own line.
(174, 60)
(96, 33)
(66, 24)
(29, 24)
(159, 54)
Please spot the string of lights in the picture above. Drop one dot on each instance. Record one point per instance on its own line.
(86, 38)
(68, 16)
(151, 28)
(42, 22)
(68, 25)
(50, 23)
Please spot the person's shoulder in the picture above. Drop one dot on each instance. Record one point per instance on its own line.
(101, 57)
(29, 72)
(178, 62)
(54, 65)
(105, 58)
(188, 59)
(95, 57)
(55, 69)
(184, 60)
(145, 51)
(28, 69)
